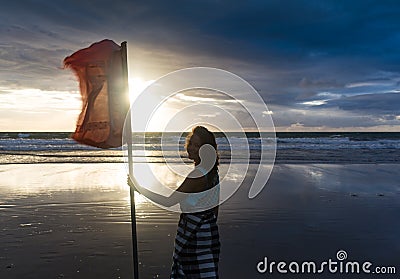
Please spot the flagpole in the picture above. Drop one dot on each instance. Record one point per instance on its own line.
(130, 161)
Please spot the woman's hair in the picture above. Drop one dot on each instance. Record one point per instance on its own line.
(206, 137)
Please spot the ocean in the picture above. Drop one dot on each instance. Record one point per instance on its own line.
(291, 147)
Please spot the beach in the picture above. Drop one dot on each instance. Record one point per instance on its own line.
(298, 104)
(72, 220)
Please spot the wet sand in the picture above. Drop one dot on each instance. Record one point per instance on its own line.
(73, 221)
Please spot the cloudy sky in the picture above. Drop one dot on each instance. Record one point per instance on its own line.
(318, 65)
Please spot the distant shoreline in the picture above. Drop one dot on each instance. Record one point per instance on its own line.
(291, 147)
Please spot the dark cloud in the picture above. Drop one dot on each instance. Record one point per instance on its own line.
(291, 52)
(372, 103)
(319, 84)
(331, 118)
(266, 32)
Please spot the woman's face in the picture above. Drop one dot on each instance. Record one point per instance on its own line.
(193, 148)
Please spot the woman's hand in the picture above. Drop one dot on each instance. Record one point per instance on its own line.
(130, 182)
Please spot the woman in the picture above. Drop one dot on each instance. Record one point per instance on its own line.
(197, 246)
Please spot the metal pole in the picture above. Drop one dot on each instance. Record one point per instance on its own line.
(130, 161)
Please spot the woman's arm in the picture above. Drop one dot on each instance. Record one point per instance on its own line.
(189, 185)
(160, 199)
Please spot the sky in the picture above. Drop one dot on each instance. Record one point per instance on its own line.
(318, 65)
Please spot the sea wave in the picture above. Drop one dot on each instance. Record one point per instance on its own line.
(290, 147)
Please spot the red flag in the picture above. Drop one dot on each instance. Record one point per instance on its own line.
(100, 70)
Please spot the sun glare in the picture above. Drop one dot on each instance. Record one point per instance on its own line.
(136, 86)
(161, 116)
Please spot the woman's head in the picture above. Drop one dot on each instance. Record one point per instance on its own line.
(198, 137)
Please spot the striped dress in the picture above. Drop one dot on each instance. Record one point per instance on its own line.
(197, 245)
